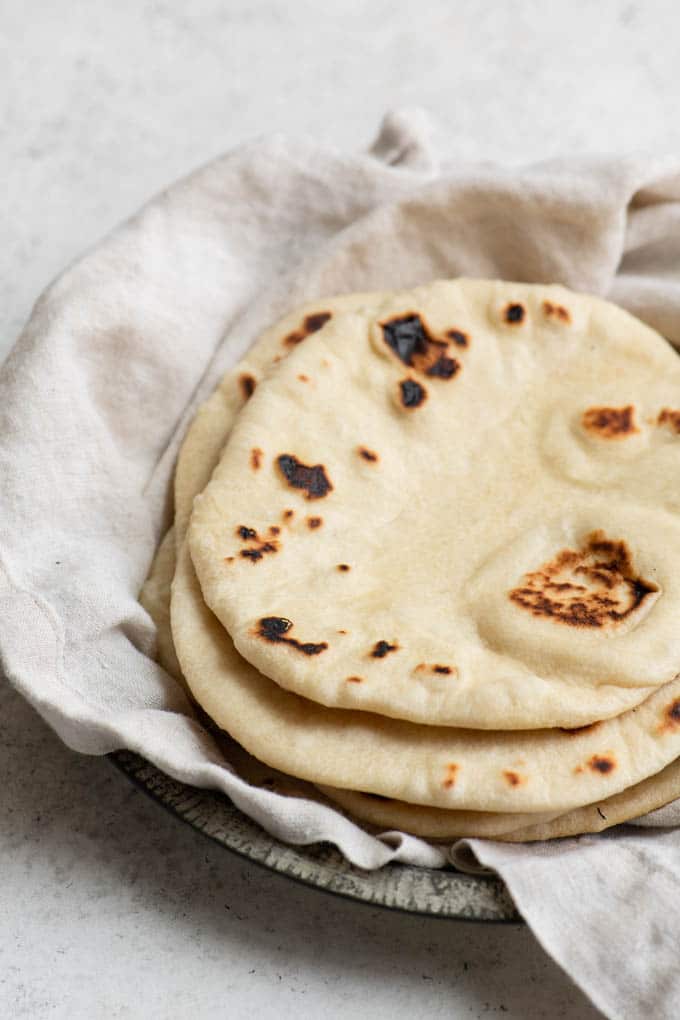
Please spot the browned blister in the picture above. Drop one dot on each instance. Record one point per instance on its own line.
(610, 422)
(595, 586)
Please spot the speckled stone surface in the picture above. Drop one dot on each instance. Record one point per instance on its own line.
(108, 906)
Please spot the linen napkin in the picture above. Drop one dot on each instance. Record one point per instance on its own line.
(119, 351)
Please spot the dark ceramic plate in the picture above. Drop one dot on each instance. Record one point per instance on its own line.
(441, 893)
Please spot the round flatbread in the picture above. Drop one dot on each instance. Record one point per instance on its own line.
(434, 511)
(546, 771)
(383, 813)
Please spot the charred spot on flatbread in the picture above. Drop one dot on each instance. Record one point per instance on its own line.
(411, 393)
(602, 763)
(276, 630)
(310, 324)
(595, 586)
(257, 547)
(382, 648)
(368, 455)
(313, 480)
(409, 338)
(610, 422)
(513, 778)
(443, 368)
(257, 552)
(459, 338)
(669, 418)
(670, 720)
(450, 775)
(514, 313)
(247, 383)
(435, 667)
(551, 310)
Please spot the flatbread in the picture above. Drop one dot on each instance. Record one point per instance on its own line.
(209, 429)
(544, 771)
(381, 813)
(448, 823)
(155, 597)
(431, 822)
(434, 512)
(436, 824)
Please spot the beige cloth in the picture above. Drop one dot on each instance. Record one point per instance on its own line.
(96, 395)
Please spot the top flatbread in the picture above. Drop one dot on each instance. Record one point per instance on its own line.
(547, 771)
(459, 509)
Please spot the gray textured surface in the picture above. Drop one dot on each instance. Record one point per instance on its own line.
(109, 907)
(440, 892)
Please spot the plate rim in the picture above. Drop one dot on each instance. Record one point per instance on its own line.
(494, 905)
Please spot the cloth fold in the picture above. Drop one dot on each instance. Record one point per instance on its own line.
(120, 350)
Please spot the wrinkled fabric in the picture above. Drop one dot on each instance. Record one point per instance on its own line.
(121, 349)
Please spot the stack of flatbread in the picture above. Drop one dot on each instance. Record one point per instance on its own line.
(426, 557)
